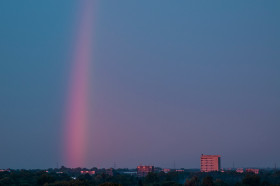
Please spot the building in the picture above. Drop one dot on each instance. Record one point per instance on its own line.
(179, 170)
(166, 170)
(157, 169)
(110, 172)
(143, 171)
(88, 172)
(256, 171)
(209, 163)
(131, 173)
(5, 170)
(240, 170)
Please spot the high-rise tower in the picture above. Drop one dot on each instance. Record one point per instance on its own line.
(209, 163)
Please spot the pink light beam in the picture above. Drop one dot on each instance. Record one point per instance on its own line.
(75, 139)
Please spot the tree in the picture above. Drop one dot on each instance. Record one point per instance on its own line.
(109, 184)
(208, 181)
(252, 180)
(45, 178)
(6, 181)
(194, 181)
(151, 178)
(220, 182)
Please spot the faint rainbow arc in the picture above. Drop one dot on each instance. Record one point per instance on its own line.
(76, 124)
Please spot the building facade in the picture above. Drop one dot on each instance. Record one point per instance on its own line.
(255, 171)
(110, 172)
(210, 163)
(143, 171)
(240, 170)
(88, 172)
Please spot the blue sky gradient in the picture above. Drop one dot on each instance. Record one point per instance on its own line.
(169, 80)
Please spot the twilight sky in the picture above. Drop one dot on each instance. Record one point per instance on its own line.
(169, 80)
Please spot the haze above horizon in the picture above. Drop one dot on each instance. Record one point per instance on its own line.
(169, 80)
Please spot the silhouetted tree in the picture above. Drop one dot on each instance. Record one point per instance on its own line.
(6, 181)
(194, 181)
(45, 178)
(265, 183)
(109, 184)
(170, 183)
(252, 180)
(151, 178)
(140, 182)
(208, 181)
(220, 182)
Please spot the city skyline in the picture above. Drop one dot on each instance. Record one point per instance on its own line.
(90, 83)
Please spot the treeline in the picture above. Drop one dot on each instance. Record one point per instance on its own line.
(74, 178)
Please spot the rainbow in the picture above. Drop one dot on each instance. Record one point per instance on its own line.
(76, 121)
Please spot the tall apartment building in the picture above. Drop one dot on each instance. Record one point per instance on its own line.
(143, 171)
(209, 163)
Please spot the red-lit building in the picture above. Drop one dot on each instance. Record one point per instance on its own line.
(179, 170)
(256, 171)
(166, 170)
(240, 170)
(5, 170)
(88, 172)
(210, 163)
(143, 171)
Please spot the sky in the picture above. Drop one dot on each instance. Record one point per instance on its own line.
(167, 81)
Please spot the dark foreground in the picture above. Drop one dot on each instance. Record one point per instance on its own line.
(64, 177)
